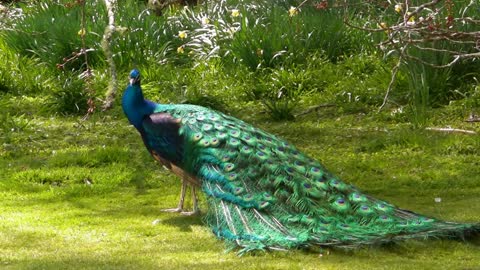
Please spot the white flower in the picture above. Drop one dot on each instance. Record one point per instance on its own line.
(293, 11)
(398, 8)
(235, 12)
(205, 20)
(182, 34)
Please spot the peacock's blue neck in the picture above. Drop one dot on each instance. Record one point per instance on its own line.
(135, 106)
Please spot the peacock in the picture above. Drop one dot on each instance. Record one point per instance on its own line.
(262, 193)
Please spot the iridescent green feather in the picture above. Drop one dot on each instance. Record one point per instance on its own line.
(265, 194)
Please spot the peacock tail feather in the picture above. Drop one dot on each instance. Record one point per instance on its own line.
(263, 193)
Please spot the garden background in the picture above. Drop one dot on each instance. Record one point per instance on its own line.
(385, 95)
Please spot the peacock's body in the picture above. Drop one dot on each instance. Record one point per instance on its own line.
(261, 191)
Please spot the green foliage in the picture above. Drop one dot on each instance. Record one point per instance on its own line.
(207, 83)
(21, 74)
(273, 39)
(69, 98)
(49, 32)
(280, 90)
(222, 60)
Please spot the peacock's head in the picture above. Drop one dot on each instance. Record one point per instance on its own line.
(135, 77)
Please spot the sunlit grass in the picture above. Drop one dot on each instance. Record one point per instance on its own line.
(86, 195)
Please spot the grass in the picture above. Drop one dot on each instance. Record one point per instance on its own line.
(86, 195)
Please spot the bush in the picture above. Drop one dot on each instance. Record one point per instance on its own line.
(49, 32)
(21, 74)
(70, 98)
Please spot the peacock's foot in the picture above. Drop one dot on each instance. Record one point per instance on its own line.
(173, 210)
(182, 211)
(191, 213)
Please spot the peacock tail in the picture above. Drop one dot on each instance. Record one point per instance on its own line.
(263, 193)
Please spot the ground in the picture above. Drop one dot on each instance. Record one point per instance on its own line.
(86, 195)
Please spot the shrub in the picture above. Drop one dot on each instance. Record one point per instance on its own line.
(49, 32)
(70, 98)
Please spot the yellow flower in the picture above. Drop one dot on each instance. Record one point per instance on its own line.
(182, 34)
(180, 49)
(205, 20)
(259, 52)
(81, 32)
(384, 25)
(235, 12)
(398, 8)
(293, 11)
(411, 19)
(231, 30)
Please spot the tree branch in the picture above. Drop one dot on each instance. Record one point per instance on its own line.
(106, 41)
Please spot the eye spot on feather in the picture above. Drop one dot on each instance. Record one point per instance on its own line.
(290, 170)
(248, 197)
(213, 117)
(192, 121)
(200, 117)
(235, 133)
(234, 142)
(263, 205)
(246, 150)
(261, 147)
(229, 167)
(381, 206)
(426, 219)
(204, 142)
(221, 135)
(262, 156)
(281, 149)
(341, 201)
(322, 180)
(325, 222)
(232, 176)
(218, 126)
(206, 127)
(307, 185)
(238, 190)
(197, 136)
(214, 142)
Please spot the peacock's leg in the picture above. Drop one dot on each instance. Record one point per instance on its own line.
(195, 210)
(179, 209)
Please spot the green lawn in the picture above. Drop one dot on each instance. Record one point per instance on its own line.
(86, 195)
